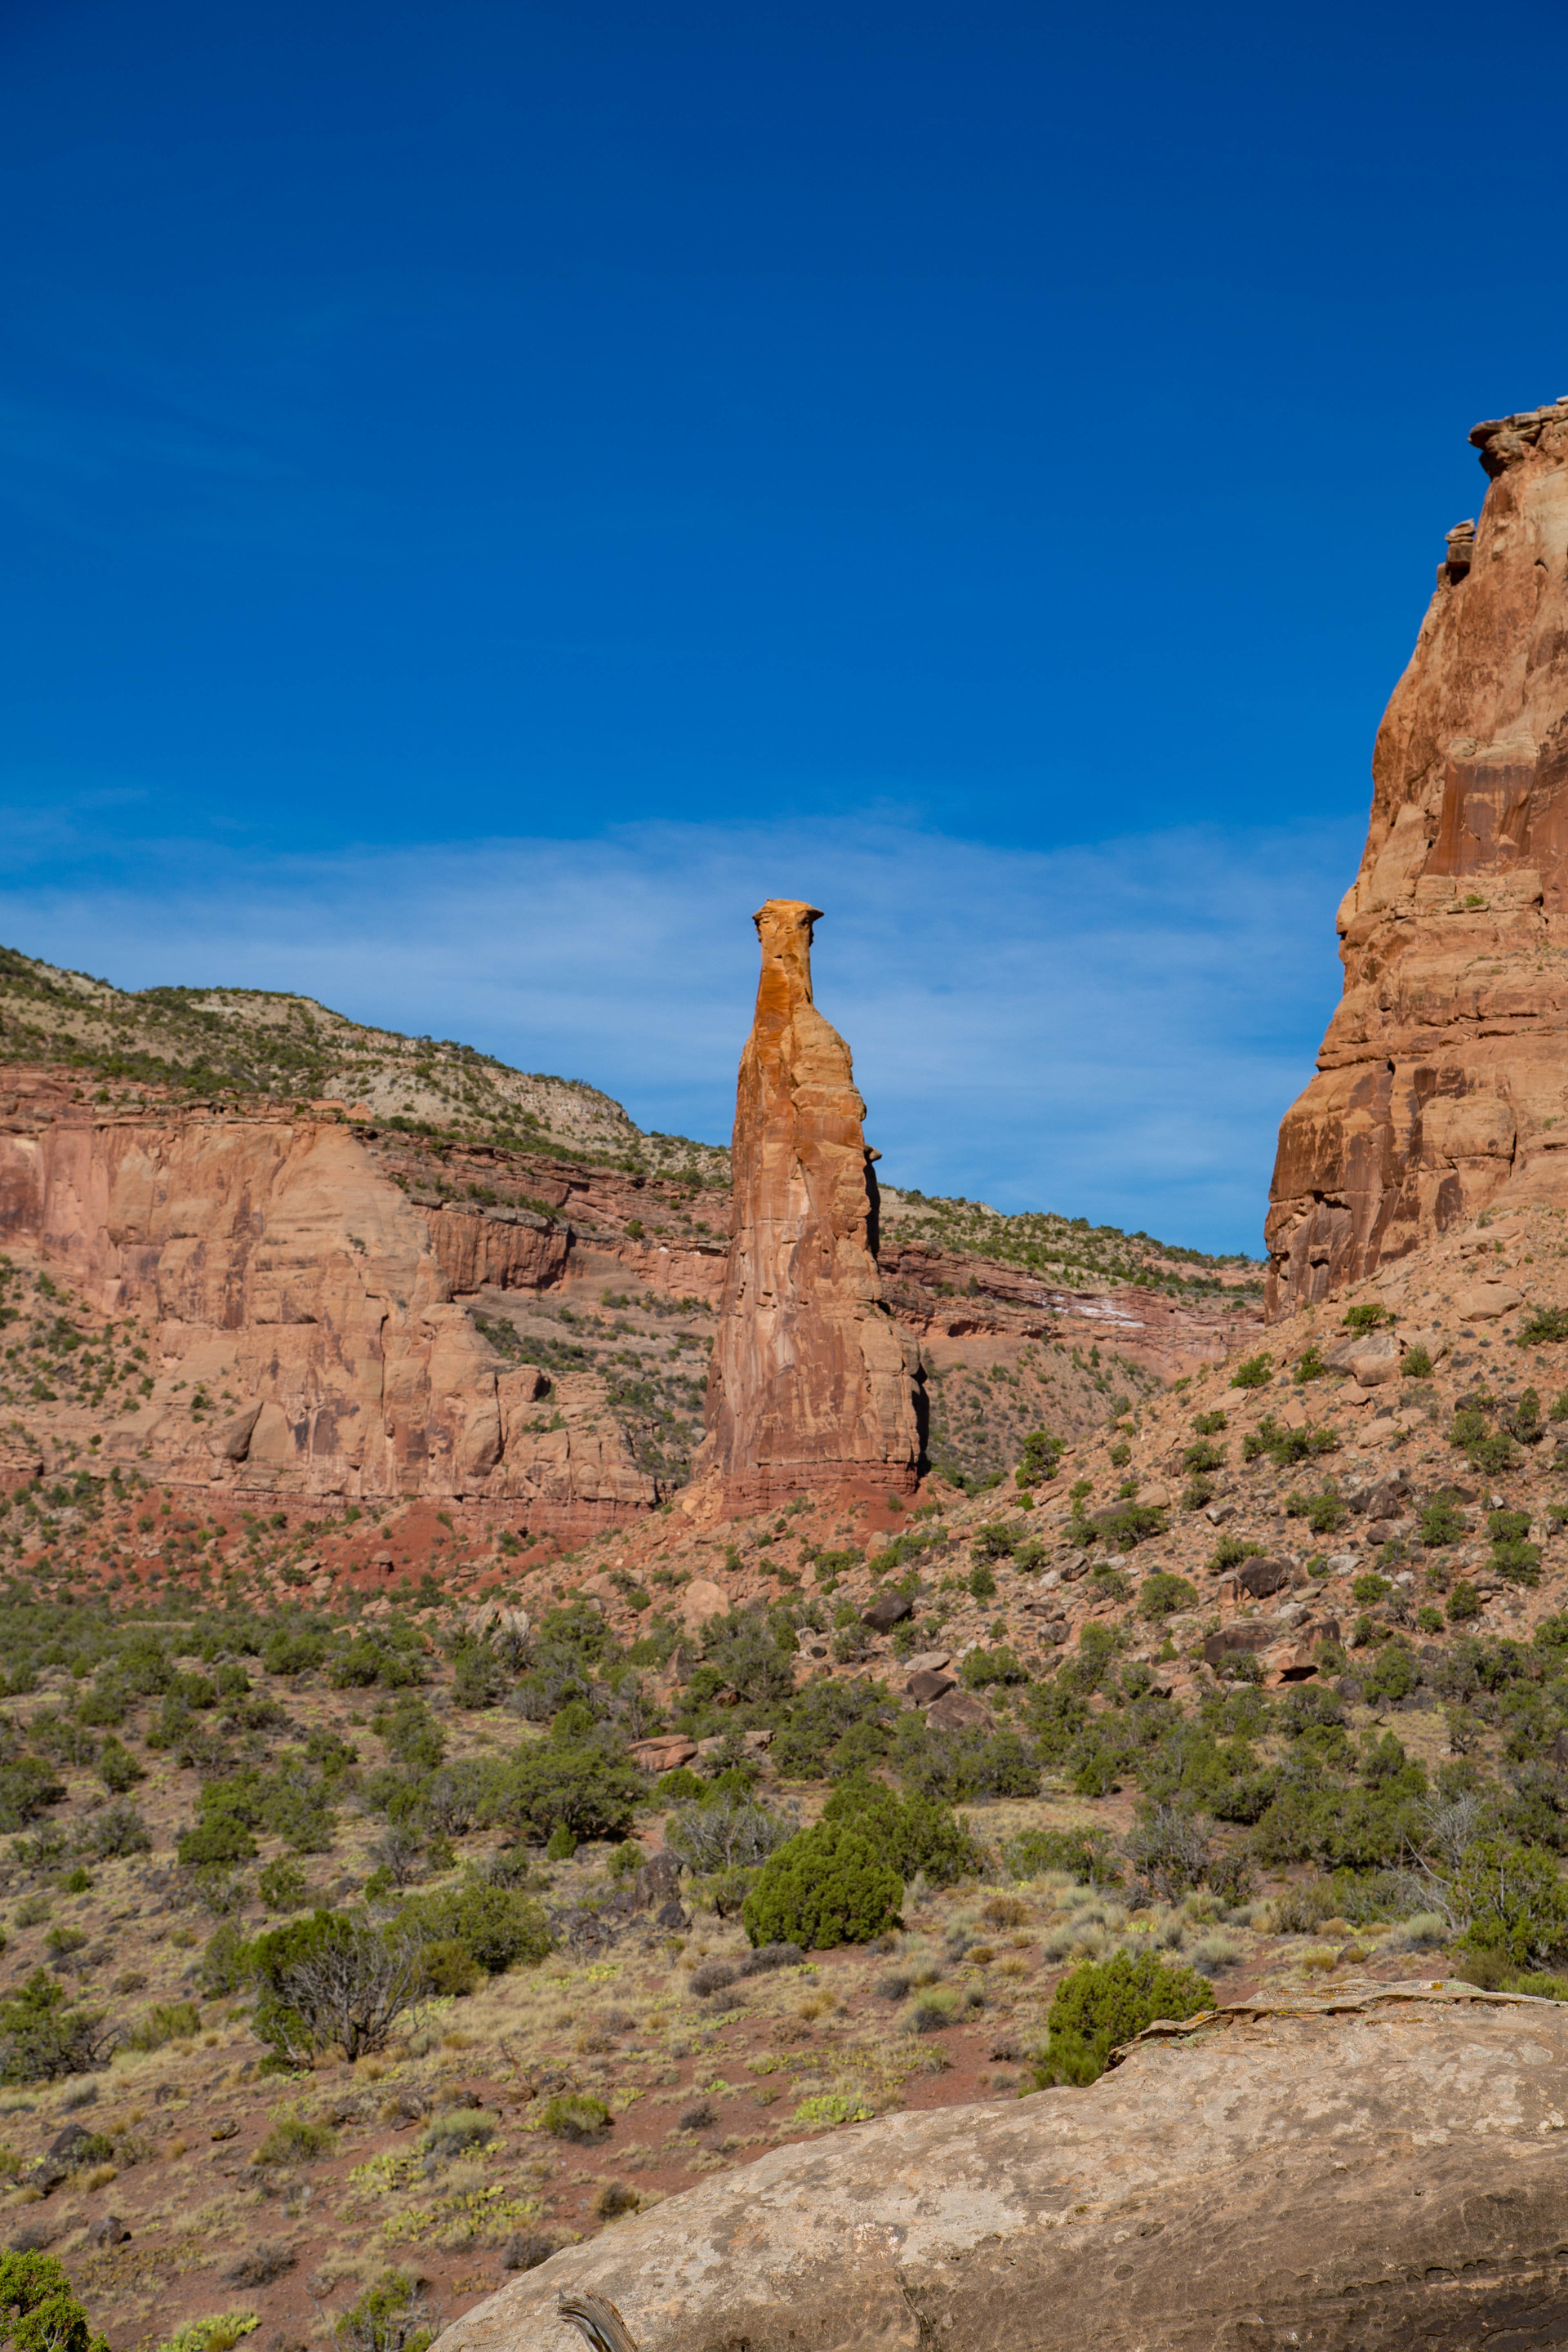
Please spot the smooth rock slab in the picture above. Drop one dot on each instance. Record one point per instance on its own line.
(1383, 2168)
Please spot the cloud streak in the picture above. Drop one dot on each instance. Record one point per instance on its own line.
(1112, 1031)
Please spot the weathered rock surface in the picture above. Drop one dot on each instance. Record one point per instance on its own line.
(1443, 1080)
(296, 1290)
(812, 1386)
(1384, 2168)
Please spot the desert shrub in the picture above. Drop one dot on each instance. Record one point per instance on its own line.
(1085, 1853)
(1547, 1326)
(1285, 1447)
(479, 1676)
(390, 2316)
(1323, 1512)
(42, 2036)
(1168, 1852)
(1463, 1603)
(1253, 1373)
(1512, 1900)
(726, 1832)
(982, 1668)
(1230, 1551)
(1310, 1363)
(1415, 1364)
(1366, 1318)
(1123, 1525)
(458, 2131)
(118, 1830)
(1039, 1460)
(958, 1765)
(38, 2311)
(217, 1839)
(824, 1721)
(826, 1886)
(330, 1979)
(265, 2263)
(499, 1926)
(751, 1653)
(1104, 2003)
(1202, 1457)
(1393, 1675)
(583, 1790)
(575, 2115)
(282, 1885)
(295, 1653)
(911, 1833)
(28, 1785)
(1441, 1522)
(165, 2022)
(117, 1768)
(1164, 1595)
(219, 2331)
(370, 1660)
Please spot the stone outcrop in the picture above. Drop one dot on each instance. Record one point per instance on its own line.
(812, 1386)
(1443, 1080)
(307, 1339)
(1380, 2168)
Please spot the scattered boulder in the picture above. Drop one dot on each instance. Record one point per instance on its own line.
(890, 1611)
(1259, 1577)
(928, 1685)
(960, 1710)
(107, 2230)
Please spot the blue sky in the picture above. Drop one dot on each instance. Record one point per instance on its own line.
(492, 490)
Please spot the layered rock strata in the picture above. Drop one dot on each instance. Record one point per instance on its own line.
(1380, 2168)
(812, 1386)
(305, 1336)
(1443, 1079)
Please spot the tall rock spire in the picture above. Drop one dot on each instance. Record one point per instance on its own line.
(1444, 1075)
(812, 1385)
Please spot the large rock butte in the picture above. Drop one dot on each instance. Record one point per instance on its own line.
(1443, 1080)
(1381, 2169)
(812, 1386)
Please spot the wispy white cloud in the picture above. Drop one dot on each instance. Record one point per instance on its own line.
(1112, 1031)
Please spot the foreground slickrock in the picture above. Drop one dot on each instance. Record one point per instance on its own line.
(1385, 2168)
(1442, 1078)
(812, 1384)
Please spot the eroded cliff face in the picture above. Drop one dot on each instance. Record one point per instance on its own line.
(812, 1386)
(304, 1336)
(1443, 1080)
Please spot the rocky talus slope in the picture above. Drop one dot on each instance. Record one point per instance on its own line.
(813, 1386)
(1442, 1084)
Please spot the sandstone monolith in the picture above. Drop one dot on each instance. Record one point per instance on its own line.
(1443, 1080)
(813, 1386)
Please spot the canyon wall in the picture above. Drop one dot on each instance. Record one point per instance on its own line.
(812, 1384)
(302, 1337)
(1443, 1079)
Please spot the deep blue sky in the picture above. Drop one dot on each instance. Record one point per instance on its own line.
(481, 431)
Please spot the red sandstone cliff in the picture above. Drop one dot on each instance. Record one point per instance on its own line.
(282, 1276)
(812, 1383)
(1443, 1080)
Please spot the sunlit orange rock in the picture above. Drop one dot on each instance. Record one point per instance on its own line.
(1443, 1080)
(812, 1386)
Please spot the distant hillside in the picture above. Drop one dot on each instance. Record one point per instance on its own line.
(229, 1044)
